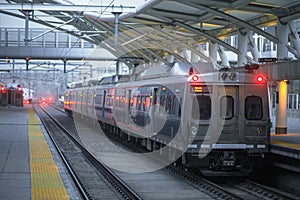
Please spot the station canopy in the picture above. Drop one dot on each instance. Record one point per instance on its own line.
(156, 29)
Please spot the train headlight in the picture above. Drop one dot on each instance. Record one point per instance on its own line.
(232, 76)
(193, 131)
(224, 76)
(259, 131)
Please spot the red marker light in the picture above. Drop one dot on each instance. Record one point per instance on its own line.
(3, 90)
(19, 88)
(260, 79)
(195, 78)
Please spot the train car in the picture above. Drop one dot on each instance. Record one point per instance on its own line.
(2, 94)
(216, 121)
(12, 94)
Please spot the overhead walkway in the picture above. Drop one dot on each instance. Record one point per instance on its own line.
(289, 70)
(48, 44)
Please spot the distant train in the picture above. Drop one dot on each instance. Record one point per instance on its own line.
(216, 121)
(11, 94)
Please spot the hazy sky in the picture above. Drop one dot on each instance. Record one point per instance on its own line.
(7, 21)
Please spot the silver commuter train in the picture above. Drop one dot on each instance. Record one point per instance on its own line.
(214, 121)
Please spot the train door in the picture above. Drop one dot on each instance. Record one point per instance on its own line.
(9, 96)
(93, 104)
(129, 102)
(152, 109)
(103, 103)
(228, 113)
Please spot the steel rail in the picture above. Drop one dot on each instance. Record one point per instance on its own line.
(118, 183)
(71, 171)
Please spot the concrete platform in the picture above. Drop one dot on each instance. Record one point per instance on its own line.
(25, 172)
(287, 144)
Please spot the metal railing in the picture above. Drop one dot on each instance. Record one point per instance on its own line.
(38, 37)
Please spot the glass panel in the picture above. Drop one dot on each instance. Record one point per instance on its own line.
(227, 107)
(253, 108)
(162, 104)
(203, 103)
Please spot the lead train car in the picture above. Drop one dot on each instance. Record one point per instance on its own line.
(217, 122)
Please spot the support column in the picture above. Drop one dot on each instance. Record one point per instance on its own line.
(170, 58)
(282, 33)
(117, 14)
(223, 56)
(183, 53)
(294, 37)
(253, 47)
(65, 65)
(194, 57)
(118, 67)
(242, 46)
(213, 53)
(26, 39)
(281, 118)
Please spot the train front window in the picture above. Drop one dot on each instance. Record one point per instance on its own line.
(253, 108)
(201, 107)
(227, 107)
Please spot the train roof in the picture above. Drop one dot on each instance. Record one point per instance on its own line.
(175, 69)
(189, 72)
(114, 79)
(13, 85)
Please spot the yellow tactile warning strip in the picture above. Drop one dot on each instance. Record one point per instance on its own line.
(285, 144)
(46, 182)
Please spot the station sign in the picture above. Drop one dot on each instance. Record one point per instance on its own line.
(267, 59)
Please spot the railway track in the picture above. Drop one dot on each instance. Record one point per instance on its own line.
(87, 179)
(241, 190)
(145, 185)
(265, 192)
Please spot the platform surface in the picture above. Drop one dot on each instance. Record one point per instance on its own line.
(287, 144)
(14, 154)
(28, 163)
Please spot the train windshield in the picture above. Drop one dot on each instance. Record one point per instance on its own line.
(253, 108)
(227, 107)
(201, 107)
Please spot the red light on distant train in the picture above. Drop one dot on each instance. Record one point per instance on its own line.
(3, 90)
(19, 88)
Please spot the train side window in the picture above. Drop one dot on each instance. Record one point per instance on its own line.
(117, 102)
(253, 108)
(174, 105)
(134, 102)
(169, 104)
(179, 109)
(203, 103)
(227, 107)
(99, 100)
(162, 103)
(147, 103)
(138, 106)
(143, 102)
